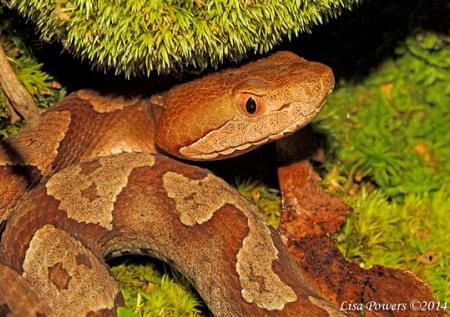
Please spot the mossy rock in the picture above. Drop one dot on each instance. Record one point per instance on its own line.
(137, 36)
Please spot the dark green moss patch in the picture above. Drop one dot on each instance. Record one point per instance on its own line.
(389, 155)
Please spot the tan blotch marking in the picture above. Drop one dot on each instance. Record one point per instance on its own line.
(70, 186)
(105, 103)
(59, 276)
(198, 200)
(329, 308)
(38, 145)
(87, 289)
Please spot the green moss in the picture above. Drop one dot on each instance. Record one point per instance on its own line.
(412, 235)
(392, 130)
(267, 200)
(138, 36)
(44, 89)
(148, 292)
(389, 157)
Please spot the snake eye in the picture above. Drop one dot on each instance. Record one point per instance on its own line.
(250, 105)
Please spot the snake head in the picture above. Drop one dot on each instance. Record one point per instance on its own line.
(231, 112)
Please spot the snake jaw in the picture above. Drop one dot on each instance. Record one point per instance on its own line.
(198, 150)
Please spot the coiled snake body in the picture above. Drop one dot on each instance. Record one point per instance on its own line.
(87, 181)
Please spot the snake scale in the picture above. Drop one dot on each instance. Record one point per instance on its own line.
(95, 178)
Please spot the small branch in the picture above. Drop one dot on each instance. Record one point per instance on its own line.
(13, 115)
(20, 100)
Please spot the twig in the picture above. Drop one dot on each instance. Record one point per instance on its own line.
(13, 115)
(20, 100)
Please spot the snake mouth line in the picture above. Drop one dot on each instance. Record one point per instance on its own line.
(242, 148)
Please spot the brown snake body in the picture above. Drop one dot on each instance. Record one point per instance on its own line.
(88, 182)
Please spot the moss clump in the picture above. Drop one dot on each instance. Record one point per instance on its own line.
(44, 89)
(148, 292)
(392, 130)
(138, 36)
(412, 235)
(267, 199)
(389, 159)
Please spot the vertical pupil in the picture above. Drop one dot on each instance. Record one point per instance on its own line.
(250, 105)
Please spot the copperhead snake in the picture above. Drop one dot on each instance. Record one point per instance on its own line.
(93, 179)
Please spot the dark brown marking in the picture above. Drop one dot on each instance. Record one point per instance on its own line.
(2, 228)
(101, 313)
(90, 193)
(93, 134)
(83, 260)
(4, 310)
(90, 167)
(59, 276)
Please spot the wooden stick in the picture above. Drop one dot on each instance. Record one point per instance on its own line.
(13, 115)
(20, 100)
